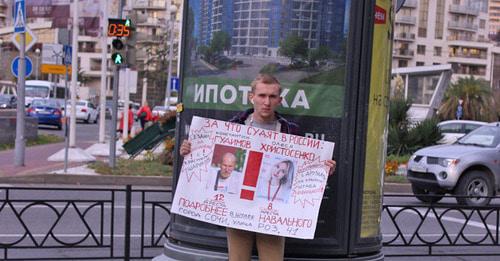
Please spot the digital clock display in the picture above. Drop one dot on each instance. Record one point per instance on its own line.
(118, 27)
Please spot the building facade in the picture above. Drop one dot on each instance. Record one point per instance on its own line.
(452, 32)
(257, 26)
(152, 21)
(494, 13)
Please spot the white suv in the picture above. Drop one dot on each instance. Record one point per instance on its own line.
(455, 129)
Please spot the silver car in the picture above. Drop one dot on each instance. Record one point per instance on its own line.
(470, 167)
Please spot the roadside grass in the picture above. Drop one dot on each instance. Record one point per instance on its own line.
(41, 140)
(127, 167)
(395, 179)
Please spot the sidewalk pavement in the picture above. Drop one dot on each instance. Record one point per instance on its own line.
(38, 170)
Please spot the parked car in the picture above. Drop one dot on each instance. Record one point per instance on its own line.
(159, 111)
(455, 129)
(470, 167)
(8, 101)
(47, 112)
(85, 111)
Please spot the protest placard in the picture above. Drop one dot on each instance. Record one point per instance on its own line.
(252, 179)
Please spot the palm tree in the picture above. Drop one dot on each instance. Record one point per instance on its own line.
(478, 102)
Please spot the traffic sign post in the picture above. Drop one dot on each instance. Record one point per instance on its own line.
(55, 57)
(20, 27)
(14, 66)
(19, 16)
(174, 84)
(67, 54)
(30, 39)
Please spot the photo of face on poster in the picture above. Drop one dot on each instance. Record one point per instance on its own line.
(225, 171)
(276, 179)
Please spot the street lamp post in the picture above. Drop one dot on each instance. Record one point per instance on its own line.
(1, 49)
(171, 27)
(37, 72)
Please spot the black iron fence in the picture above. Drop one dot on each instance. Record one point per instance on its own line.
(439, 229)
(80, 223)
(42, 223)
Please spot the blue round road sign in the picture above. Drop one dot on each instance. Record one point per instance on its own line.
(14, 66)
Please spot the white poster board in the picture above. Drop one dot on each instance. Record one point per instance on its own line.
(255, 197)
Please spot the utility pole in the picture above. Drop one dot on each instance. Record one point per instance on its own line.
(20, 143)
(114, 116)
(104, 71)
(171, 9)
(74, 76)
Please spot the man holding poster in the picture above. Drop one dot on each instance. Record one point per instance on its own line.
(275, 185)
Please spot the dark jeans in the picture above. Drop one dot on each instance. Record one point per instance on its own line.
(143, 122)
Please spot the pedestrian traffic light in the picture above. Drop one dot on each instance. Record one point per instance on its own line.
(117, 56)
(119, 28)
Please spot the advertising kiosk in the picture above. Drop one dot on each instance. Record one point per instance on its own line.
(333, 59)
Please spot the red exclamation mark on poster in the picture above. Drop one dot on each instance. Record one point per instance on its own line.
(251, 175)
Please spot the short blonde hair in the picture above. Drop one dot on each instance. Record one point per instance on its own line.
(266, 79)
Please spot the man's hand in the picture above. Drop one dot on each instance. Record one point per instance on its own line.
(332, 165)
(185, 148)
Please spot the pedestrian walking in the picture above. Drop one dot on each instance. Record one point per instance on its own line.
(130, 120)
(145, 115)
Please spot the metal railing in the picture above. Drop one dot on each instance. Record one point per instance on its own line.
(46, 223)
(456, 230)
(404, 19)
(464, 9)
(79, 223)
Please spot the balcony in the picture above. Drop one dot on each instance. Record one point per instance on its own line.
(406, 37)
(411, 4)
(461, 38)
(151, 21)
(452, 25)
(483, 56)
(403, 19)
(464, 9)
(146, 38)
(149, 4)
(403, 53)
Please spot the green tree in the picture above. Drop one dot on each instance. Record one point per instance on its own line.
(207, 53)
(294, 47)
(478, 102)
(221, 41)
(321, 54)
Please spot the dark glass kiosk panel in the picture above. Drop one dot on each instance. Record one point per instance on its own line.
(321, 52)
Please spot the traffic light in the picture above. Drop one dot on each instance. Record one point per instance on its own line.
(117, 56)
(119, 28)
(131, 41)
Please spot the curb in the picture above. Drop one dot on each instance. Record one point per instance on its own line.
(73, 179)
(403, 188)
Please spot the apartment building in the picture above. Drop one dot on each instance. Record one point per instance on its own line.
(494, 13)
(3, 13)
(455, 32)
(152, 25)
(258, 26)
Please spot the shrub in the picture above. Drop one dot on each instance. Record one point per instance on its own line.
(406, 139)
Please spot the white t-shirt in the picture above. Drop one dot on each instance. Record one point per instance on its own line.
(231, 185)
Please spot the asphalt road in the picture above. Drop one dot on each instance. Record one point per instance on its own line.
(76, 220)
(85, 132)
(451, 226)
(52, 221)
